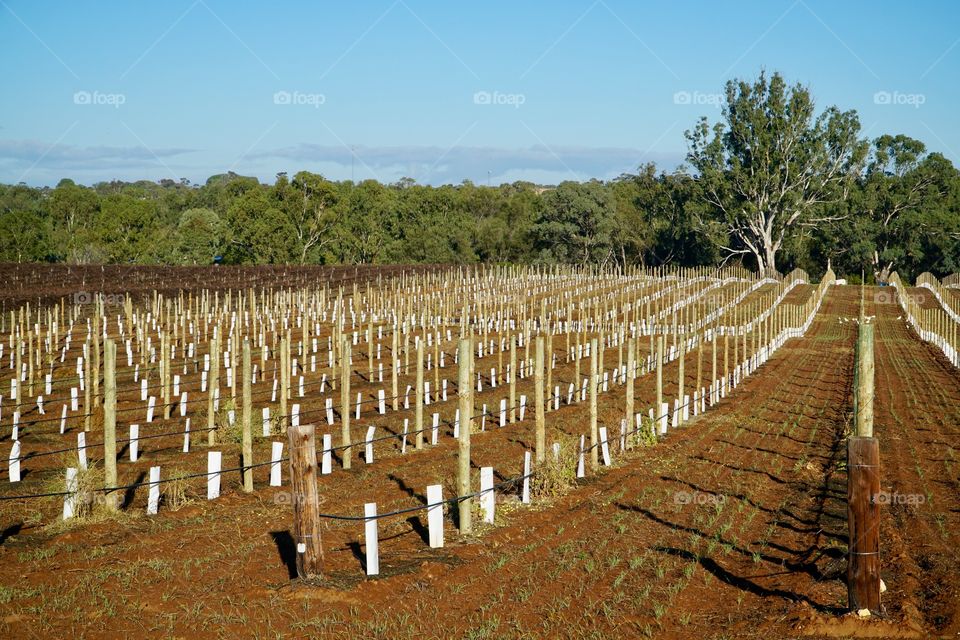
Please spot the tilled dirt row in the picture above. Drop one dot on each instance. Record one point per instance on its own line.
(917, 420)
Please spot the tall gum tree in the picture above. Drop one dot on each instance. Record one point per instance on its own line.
(769, 167)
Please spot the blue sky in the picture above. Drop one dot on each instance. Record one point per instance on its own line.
(439, 91)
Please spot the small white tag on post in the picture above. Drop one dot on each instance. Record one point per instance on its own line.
(134, 442)
(70, 500)
(604, 446)
(14, 462)
(329, 406)
(186, 436)
(153, 495)
(370, 538)
(523, 406)
(487, 497)
(525, 495)
(403, 441)
(326, 462)
(580, 457)
(503, 412)
(82, 449)
(266, 421)
(368, 455)
(435, 430)
(381, 401)
(214, 459)
(435, 515)
(276, 454)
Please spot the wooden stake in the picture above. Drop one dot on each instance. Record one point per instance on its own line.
(541, 446)
(592, 389)
(863, 517)
(418, 415)
(212, 385)
(110, 422)
(464, 387)
(865, 377)
(305, 498)
(345, 355)
(247, 420)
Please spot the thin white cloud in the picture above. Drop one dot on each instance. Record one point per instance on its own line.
(427, 164)
(438, 165)
(71, 156)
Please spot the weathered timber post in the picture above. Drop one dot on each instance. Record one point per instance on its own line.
(863, 489)
(464, 387)
(592, 388)
(418, 391)
(110, 422)
(305, 498)
(345, 355)
(631, 383)
(247, 442)
(863, 518)
(541, 447)
(213, 384)
(865, 375)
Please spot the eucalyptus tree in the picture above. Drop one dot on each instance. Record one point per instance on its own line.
(769, 167)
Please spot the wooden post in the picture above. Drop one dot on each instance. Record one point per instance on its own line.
(165, 373)
(87, 406)
(418, 414)
(96, 360)
(863, 517)
(681, 375)
(592, 389)
(631, 382)
(345, 355)
(464, 386)
(512, 378)
(110, 422)
(865, 375)
(212, 385)
(549, 364)
(305, 498)
(394, 368)
(284, 378)
(541, 447)
(659, 365)
(247, 420)
(714, 391)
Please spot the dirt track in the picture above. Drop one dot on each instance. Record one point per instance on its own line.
(735, 526)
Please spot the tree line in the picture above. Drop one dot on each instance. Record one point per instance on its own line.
(773, 184)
